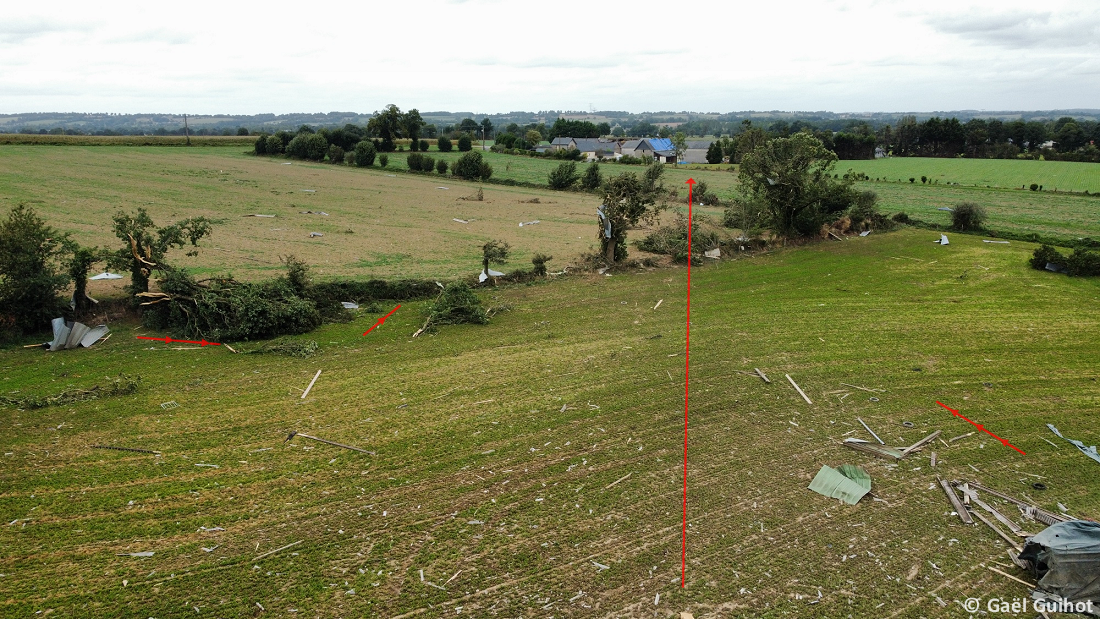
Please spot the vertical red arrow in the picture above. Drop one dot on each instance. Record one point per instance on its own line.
(687, 367)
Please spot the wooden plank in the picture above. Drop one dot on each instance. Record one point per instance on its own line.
(1038, 510)
(998, 515)
(917, 445)
(959, 509)
(1011, 542)
(315, 377)
(761, 375)
(866, 427)
(799, 389)
(1022, 582)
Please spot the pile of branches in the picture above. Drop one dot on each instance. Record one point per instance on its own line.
(123, 385)
(457, 304)
(672, 240)
(289, 348)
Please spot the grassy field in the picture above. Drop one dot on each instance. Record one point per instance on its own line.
(125, 140)
(1005, 173)
(512, 458)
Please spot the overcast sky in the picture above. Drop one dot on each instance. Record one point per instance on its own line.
(497, 56)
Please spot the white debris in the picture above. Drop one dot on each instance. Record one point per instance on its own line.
(106, 275)
(715, 253)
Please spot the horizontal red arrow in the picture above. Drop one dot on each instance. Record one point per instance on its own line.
(168, 340)
(382, 320)
(981, 427)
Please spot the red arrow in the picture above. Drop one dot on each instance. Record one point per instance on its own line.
(167, 340)
(382, 320)
(981, 427)
(687, 366)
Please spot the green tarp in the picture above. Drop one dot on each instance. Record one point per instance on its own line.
(1065, 561)
(847, 482)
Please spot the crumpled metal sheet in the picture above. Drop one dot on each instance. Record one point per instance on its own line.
(1088, 451)
(1065, 560)
(847, 482)
(72, 334)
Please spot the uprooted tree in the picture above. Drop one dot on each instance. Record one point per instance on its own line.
(627, 200)
(147, 245)
(788, 181)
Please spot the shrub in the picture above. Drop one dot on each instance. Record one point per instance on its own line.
(1082, 262)
(386, 145)
(464, 144)
(1035, 187)
(901, 218)
(967, 216)
(911, 179)
(457, 304)
(444, 145)
(540, 260)
(592, 178)
(274, 145)
(427, 164)
(261, 145)
(365, 152)
(471, 166)
(564, 176)
(1044, 254)
(424, 145)
(413, 161)
(349, 157)
(923, 179)
(672, 240)
(441, 166)
(30, 271)
(413, 145)
(383, 160)
(335, 154)
(310, 146)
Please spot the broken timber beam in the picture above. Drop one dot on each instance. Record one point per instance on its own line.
(761, 375)
(321, 440)
(921, 443)
(1011, 542)
(865, 427)
(799, 389)
(955, 503)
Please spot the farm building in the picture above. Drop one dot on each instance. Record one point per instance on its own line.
(696, 151)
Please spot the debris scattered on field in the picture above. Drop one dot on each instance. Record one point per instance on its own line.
(442, 187)
(1023, 582)
(659, 302)
(715, 253)
(315, 377)
(461, 221)
(943, 240)
(1057, 268)
(866, 427)
(761, 375)
(864, 388)
(206, 530)
(105, 275)
(169, 405)
(887, 452)
(528, 223)
(296, 433)
(147, 553)
(686, 615)
(960, 437)
(1038, 513)
(1011, 542)
(349, 304)
(961, 511)
(798, 389)
(865, 233)
(291, 348)
(257, 215)
(67, 335)
(847, 482)
(482, 277)
(945, 208)
(313, 213)
(1088, 451)
(211, 549)
(933, 462)
(1000, 242)
(144, 451)
(623, 478)
(212, 466)
(309, 191)
(601, 566)
(271, 552)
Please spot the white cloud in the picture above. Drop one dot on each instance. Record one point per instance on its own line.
(488, 56)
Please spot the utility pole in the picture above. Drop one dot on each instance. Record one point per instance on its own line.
(186, 132)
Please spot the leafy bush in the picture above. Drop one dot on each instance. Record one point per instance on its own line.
(901, 217)
(1083, 262)
(464, 144)
(427, 164)
(261, 144)
(423, 145)
(274, 145)
(569, 154)
(539, 260)
(457, 304)
(383, 160)
(413, 161)
(564, 176)
(470, 166)
(30, 271)
(967, 216)
(1034, 187)
(1044, 254)
(349, 158)
(592, 178)
(365, 152)
(441, 166)
(311, 146)
(672, 240)
(444, 144)
(335, 154)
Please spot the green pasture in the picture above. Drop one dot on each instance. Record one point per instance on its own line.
(1002, 173)
(533, 466)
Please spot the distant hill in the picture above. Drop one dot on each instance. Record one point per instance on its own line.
(167, 124)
